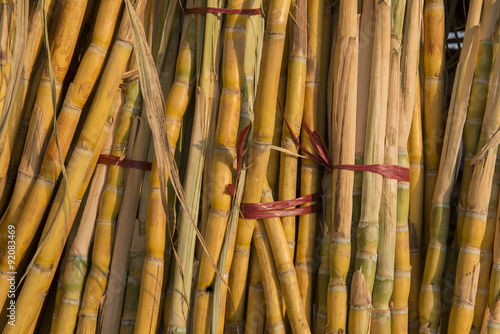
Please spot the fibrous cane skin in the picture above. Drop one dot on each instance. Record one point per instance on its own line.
(258, 155)
(57, 228)
(430, 299)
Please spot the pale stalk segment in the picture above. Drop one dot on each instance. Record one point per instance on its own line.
(384, 276)
(367, 233)
(409, 65)
(256, 314)
(224, 154)
(477, 105)
(343, 128)
(258, 155)
(365, 52)
(430, 299)
(475, 220)
(294, 106)
(176, 105)
(31, 52)
(474, 227)
(58, 226)
(434, 95)
(41, 122)
(76, 267)
(109, 207)
(415, 218)
(42, 185)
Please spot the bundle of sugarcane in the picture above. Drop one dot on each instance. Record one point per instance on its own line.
(228, 166)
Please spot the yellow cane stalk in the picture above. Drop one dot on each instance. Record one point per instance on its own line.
(267, 92)
(57, 228)
(415, 218)
(343, 128)
(368, 227)
(434, 95)
(430, 299)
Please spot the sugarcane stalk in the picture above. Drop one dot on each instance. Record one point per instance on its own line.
(294, 106)
(26, 83)
(67, 121)
(434, 94)
(109, 206)
(56, 229)
(131, 302)
(273, 167)
(267, 92)
(368, 228)
(345, 70)
(381, 318)
(475, 220)
(156, 220)
(430, 300)
(492, 313)
(415, 218)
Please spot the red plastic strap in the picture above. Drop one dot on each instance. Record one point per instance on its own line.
(105, 159)
(323, 158)
(280, 208)
(214, 10)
